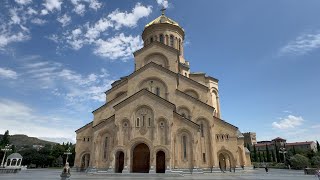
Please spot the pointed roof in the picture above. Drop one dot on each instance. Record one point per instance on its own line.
(163, 20)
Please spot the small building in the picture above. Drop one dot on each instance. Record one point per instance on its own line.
(14, 160)
(250, 138)
(303, 146)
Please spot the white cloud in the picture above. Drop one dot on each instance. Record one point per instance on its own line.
(31, 11)
(66, 83)
(80, 9)
(163, 3)
(52, 5)
(64, 20)
(15, 19)
(95, 4)
(8, 73)
(38, 21)
(130, 19)
(303, 44)
(19, 118)
(7, 37)
(23, 2)
(288, 122)
(120, 46)
(44, 12)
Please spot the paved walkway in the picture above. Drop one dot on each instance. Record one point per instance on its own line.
(258, 174)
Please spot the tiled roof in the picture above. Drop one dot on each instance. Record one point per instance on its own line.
(299, 143)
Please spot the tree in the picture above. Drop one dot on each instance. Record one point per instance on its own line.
(274, 159)
(299, 161)
(318, 146)
(315, 161)
(5, 139)
(277, 153)
(268, 154)
(255, 157)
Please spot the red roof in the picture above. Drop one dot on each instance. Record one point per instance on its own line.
(299, 143)
(263, 144)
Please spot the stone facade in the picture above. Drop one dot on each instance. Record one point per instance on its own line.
(161, 118)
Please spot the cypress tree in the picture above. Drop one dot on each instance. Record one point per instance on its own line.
(277, 153)
(264, 157)
(294, 151)
(318, 146)
(255, 157)
(268, 154)
(274, 159)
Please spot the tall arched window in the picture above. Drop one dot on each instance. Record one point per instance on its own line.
(157, 91)
(171, 40)
(138, 122)
(184, 144)
(201, 130)
(151, 39)
(179, 46)
(105, 154)
(161, 38)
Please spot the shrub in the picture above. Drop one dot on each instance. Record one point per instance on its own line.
(299, 161)
(315, 161)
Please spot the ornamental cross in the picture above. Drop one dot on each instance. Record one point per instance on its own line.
(163, 10)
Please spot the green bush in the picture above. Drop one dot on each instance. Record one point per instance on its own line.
(299, 161)
(315, 161)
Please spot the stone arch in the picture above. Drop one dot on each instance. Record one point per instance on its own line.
(84, 160)
(107, 140)
(192, 93)
(185, 145)
(184, 111)
(157, 58)
(136, 141)
(205, 138)
(226, 158)
(152, 83)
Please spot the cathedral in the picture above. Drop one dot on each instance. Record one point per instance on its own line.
(161, 118)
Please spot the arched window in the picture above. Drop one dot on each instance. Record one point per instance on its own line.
(161, 39)
(138, 122)
(149, 122)
(201, 130)
(151, 39)
(105, 154)
(171, 40)
(184, 144)
(183, 114)
(143, 118)
(179, 46)
(157, 91)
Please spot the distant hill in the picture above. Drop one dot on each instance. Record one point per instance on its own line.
(21, 140)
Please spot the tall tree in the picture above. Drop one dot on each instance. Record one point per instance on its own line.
(264, 157)
(5, 139)
(268, 154)
(277, 153)
(274, 159)
(255, 157)
(318, 146)
(294, 151)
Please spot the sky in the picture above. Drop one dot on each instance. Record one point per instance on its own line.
(58, 57)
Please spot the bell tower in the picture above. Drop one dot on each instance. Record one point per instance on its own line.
(168, 34)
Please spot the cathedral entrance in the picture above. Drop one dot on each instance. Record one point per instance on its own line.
(222, 162)
(141, 159)
(119, 162)
(161, 162)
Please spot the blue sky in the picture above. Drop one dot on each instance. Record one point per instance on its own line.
(58, 57)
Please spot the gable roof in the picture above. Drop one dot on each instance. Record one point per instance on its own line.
(194, 99)
(186, 119)
(144, 92)
(90, 123)
(156, 43)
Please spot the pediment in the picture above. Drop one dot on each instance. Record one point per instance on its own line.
(147, 93)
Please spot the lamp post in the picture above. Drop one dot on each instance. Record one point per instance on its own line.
(283, 151)
(5, 149)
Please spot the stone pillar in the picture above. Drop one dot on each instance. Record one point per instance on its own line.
(152, 165)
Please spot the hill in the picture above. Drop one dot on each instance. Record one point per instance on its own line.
(21, 140)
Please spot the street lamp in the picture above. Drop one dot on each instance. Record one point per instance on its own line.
(5, 149)
(283, 151)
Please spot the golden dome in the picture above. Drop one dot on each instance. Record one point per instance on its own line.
(163, 20)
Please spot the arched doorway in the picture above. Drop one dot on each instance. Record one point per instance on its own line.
(119, 162)
(85, 162)
(161, 162)
(222, 162)
(141, 159)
